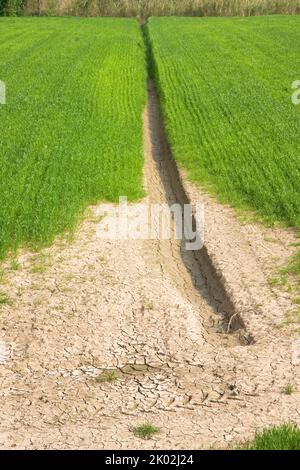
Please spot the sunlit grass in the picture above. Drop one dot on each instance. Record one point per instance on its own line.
(71, 131)
(145, 431)
(285, 437)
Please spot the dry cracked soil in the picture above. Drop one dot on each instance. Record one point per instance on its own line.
(103, 335)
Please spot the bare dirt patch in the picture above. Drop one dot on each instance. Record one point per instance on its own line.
(154, 317)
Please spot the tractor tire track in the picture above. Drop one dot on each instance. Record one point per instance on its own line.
(191, 271)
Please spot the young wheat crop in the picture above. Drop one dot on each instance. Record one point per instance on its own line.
(71, 129)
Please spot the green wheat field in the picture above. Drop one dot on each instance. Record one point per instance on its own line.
(71, 131)
(226, 92)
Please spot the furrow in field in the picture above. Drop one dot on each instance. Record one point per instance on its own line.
(191, 271)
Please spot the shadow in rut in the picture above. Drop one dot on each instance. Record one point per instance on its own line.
(197, 263)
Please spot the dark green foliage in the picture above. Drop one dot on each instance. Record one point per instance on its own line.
(12, 7)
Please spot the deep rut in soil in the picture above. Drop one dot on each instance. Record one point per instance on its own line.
(191, 271)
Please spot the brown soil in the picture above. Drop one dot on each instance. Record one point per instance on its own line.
(105, 335)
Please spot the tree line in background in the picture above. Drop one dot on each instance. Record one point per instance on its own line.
(145, 8)
(12, 7)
